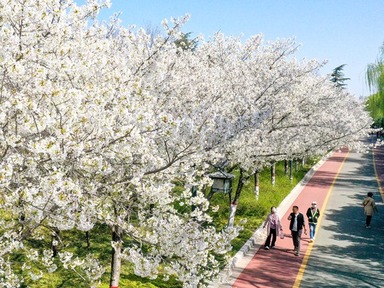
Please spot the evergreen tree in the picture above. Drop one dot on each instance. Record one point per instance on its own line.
(338, 76)
(186, 43)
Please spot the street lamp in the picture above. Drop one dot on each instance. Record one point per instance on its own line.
(222, 181)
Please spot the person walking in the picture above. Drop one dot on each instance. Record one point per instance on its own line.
(297, 225)
(273, 228)
(313, 214)
(369, 208)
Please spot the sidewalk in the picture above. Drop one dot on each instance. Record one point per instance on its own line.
(265, 268)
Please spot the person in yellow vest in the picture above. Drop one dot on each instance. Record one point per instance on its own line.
(369, 208)
(313, 214)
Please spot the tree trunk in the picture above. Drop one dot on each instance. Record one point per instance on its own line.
(210, 194)
(296, 165)
(194, 194)
(151, 207)
(273, 174)
(87, 239)
(257, 184)
(303, 162)
(232, 213)
(233, 204)
(55, 241)
(286, 167)
(116, 258)
(290, 170)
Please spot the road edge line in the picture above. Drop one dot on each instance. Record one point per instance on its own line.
(304, 263)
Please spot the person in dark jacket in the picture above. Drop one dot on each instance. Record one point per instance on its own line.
(297, 225)
(313, 214)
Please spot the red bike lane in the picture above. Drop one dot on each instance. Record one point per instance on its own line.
(279, 267)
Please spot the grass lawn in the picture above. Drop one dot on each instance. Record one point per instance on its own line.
(248, 208)
(253, 211)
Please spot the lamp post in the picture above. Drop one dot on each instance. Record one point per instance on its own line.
(222, 182)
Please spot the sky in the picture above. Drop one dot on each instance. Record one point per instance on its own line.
(340, 31)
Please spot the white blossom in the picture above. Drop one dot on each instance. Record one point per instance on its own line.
(99, 120)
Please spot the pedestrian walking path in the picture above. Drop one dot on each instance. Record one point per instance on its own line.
(344, 251)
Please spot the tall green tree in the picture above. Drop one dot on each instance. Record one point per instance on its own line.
(375, 107)
(375, 82)
(337, 76)
(375, 74)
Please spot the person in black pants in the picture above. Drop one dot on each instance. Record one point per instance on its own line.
(297, 225)
(273, 228)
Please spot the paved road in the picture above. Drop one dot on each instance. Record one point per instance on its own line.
(345, 253)
(278, 268)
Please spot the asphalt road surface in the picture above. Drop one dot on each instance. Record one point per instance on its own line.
(279, 267)
(345, 253)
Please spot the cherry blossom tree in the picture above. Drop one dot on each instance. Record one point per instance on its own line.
(99, 120)
(291, 113)
(94, 131)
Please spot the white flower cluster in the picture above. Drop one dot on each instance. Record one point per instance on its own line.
(98, 121)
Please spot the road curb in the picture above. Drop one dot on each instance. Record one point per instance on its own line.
(241, 259)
